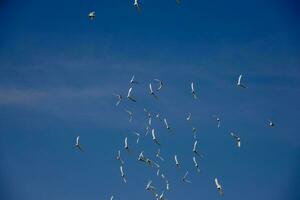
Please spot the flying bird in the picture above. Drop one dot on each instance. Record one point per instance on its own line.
(130, 115)
(176, 161)
(158, 155)
(166, 123)
(160, 84)
(132, 81)
(194, 130)
(77, 144)
(137, 6)
(123, 174)
(142, 157)
(189, 117)
(154, 137)
(118, 157)
(112, 197)
(195, 149)
(129, 95)
(92, 15)
(138, 136)
(150, 187)
(271, 123)
(126, 147)
(239, 82)
(120, 97)
(218, 120)
(184, 178)
(149, 116)
(237, 139)
(196, 164)
(167, 185)
(152, 92)
(193, 90)
(219, 187)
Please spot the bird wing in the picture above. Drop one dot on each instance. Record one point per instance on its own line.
(129, 92)
(192, 86)
(195, 145)
(240, 79)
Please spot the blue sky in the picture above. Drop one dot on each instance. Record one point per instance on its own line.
(58, 71)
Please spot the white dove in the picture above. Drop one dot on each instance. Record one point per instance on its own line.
(132, 81)
(118, 157)
(184, 178)
(166, 123)
(176, 161)
(138, 136)
(219, 187)
(120, 97)
(196, 164)
(154, 137)
(193, 90)
(123, 174)
(92, 15)
(130, 114)
(152, 92)
(239, 82)
(77, 144)
(129, 95)
(160, 84)
(158, 155)
(237, 139)
(271, 123)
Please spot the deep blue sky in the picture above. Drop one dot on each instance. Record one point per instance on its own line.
(58, 71)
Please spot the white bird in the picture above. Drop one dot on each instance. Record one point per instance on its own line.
(154, 137)
(166, 123)
(138, 136)
(158, 117)
(158, 155)
(129, 95)
(176, 161)
(92, 15)
(77, 144)
(132, 81)
(239, 82)
(123, 174)
(271, 123)
(161, 196)
(218, 120)
(137, 6)
(219, 187)
(194, 130)
(237, 139)
(160, 84)
(142, 157)
(195, 149)
(189, 117)
(147, 130)
(193, 90)
(184, 178)
(120, 97)
(152, 92)
(149, 116)
(130, 115)
(162, 176)
(150, 187)
(196, 164)
(112, 197)
(118, 157)
(167, 185)
(126, 144)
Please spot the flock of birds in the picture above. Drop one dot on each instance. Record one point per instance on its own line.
(150, 130)
(92, 14)
(141, 157)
